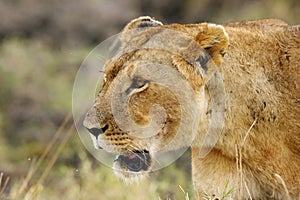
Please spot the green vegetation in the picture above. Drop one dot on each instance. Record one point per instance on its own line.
(36, 85)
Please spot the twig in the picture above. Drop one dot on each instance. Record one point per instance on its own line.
(238, 156)
(1, 177)
(186, 197)
(247, 189)
(284, 185)
(247, 133)
(2, 188)
(239, 163)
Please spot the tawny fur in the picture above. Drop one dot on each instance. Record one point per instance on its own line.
(259, 62)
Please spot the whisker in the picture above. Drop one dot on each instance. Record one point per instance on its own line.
(141, 150)
(101, 58)
(157, 161)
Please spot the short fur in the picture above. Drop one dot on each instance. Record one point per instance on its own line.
(259, 62)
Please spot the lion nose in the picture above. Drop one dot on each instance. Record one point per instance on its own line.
(98, 131)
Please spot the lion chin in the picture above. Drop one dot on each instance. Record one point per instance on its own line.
(133, 166)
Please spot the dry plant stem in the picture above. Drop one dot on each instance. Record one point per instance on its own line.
(284, 185)
(247, 133)
(30, 174)
(239, 170)
(186, 196)
(247, 189)
(43, 156)
(1, 177)
(239, 164)
(2, 188)
(181, 188)
(33, 191)
(56, 154)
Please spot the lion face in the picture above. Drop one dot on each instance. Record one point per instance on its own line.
(134, 116)
(152, 98)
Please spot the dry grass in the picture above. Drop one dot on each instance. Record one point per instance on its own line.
(43, 163)
(239, 166)
(32, 187)
(29, 189)
(226, 194)
(45, 181)
(3, 187)
(186, 194)
(241, 182)
(82, 184)
(284, 186)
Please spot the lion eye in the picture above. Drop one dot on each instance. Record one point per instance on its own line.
(137, 83)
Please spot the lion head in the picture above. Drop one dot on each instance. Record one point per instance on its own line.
(154, 96)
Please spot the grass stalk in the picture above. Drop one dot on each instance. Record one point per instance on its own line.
(35, 165)
(52, 160)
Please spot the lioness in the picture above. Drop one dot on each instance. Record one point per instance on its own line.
(258, 150)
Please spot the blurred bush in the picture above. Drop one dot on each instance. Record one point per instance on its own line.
(73, 21)
(61, 22)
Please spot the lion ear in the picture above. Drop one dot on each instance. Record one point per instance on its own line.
(202, 64)
(142, 22)
(138, 25)
(214, 39)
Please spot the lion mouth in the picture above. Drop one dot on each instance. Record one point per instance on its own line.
(135, 161)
